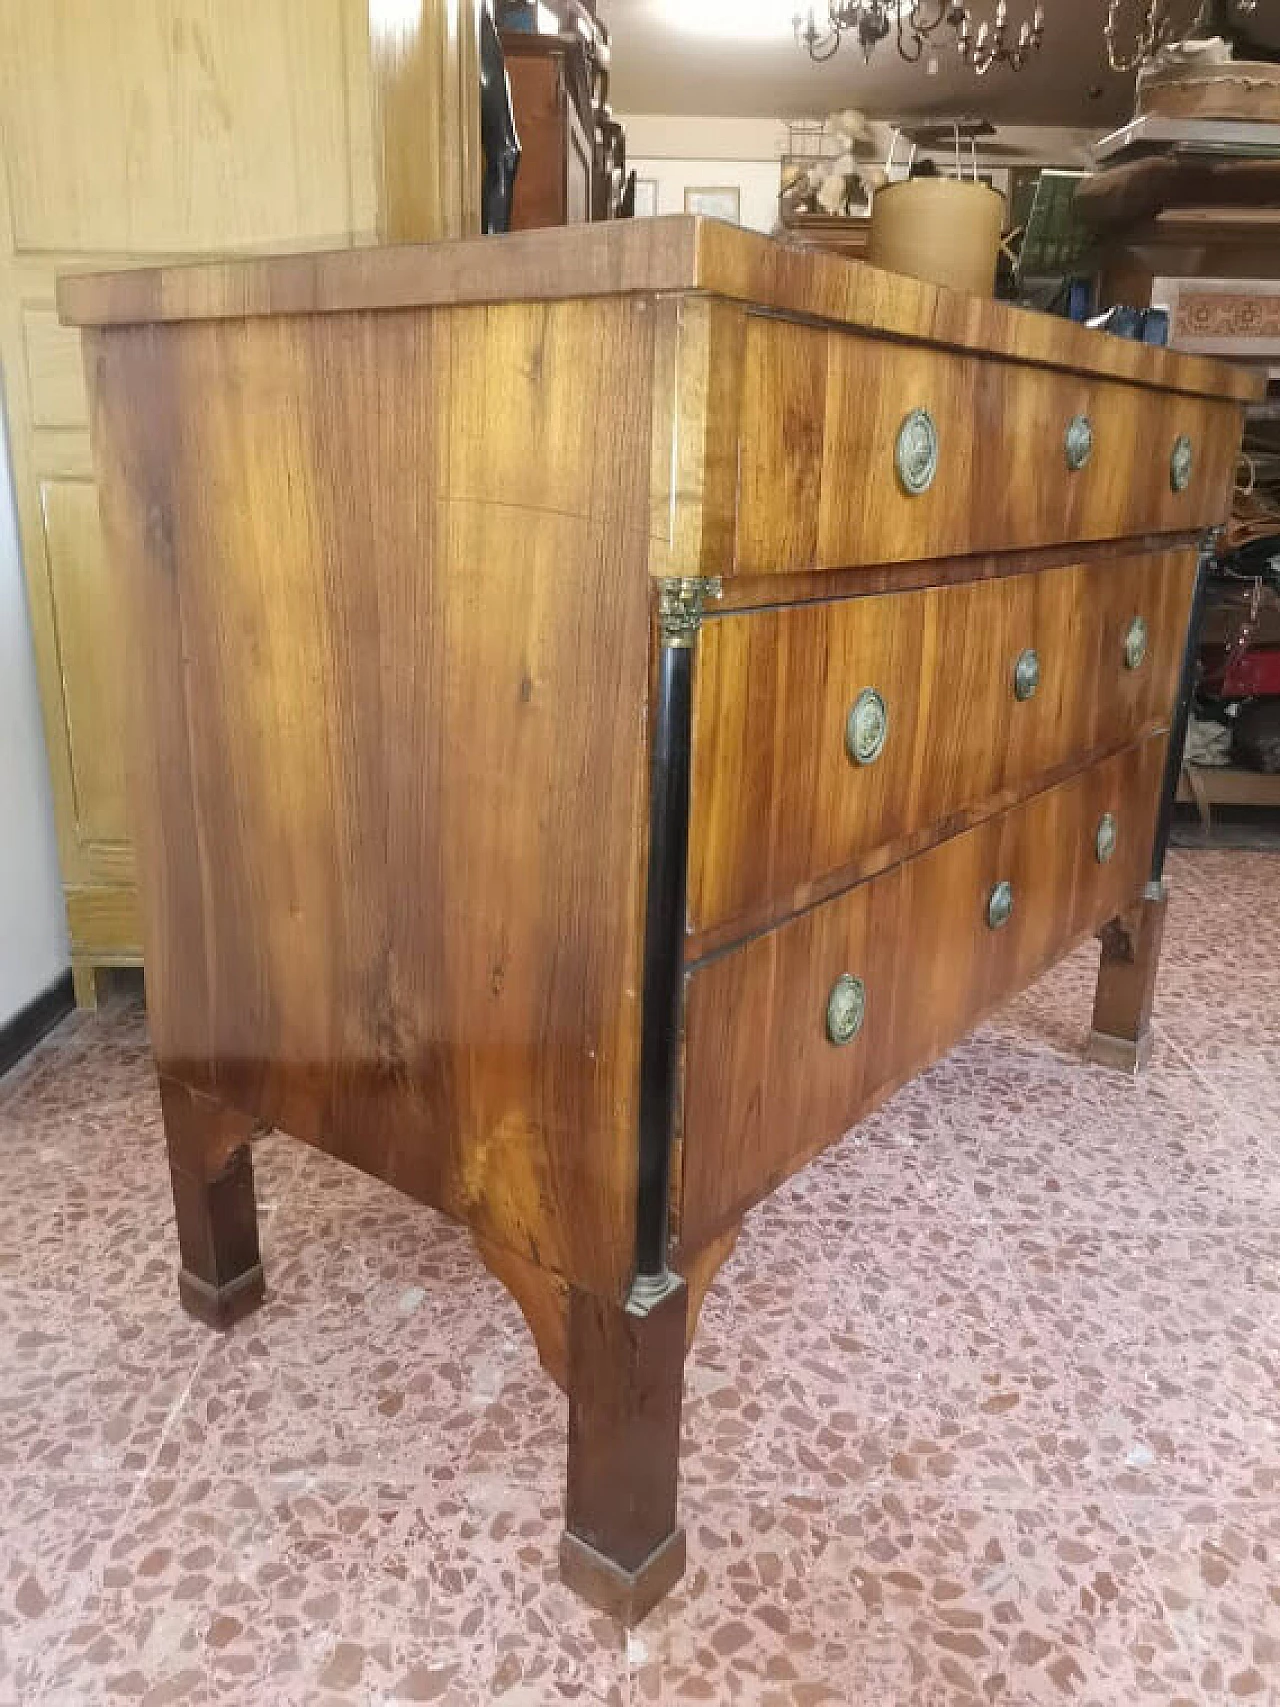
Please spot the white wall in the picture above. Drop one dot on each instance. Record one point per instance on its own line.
(33, 932)
(680, 153)
(756, 181)
(674, 136)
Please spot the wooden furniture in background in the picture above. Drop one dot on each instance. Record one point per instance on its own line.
(846, 237)
(640, 695)
(550, 96)
(1242, 90)
(573, 151)
(1187, 196)
(154, 129)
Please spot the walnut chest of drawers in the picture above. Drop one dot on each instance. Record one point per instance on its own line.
(609, 706)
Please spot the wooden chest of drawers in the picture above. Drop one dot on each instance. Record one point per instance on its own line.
(610, 706)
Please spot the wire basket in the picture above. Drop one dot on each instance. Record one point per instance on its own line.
(809, 141)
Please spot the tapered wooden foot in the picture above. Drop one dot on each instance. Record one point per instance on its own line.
(211, 1170)
(622, 1549)
(1121, 1034)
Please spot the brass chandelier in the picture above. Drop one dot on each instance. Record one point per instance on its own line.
(916, 24)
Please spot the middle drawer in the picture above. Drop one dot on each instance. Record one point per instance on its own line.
(832, 739)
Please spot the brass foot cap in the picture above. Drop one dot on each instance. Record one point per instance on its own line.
(220, 1306)
(1121, 1053)
(627, 1595)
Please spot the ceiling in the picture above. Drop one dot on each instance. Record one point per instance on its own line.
(668, 57)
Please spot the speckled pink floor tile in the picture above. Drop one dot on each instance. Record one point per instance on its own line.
(56, 1533)
(290, 1590)
(911, 1595)
(983, 1408)
(1216, 1570)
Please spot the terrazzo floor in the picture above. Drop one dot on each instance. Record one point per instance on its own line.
(984, 1408)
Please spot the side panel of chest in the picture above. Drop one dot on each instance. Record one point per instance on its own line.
(389, 633)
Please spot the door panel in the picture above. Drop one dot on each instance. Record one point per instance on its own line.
(89, 655)
(214, 122)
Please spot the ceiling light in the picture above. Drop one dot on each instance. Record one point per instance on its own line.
(740, 20)
(914, 26)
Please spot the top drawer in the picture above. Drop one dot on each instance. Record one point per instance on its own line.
(854, 450)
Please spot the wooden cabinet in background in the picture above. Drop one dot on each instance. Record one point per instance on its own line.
(152, 129)
(551, 101)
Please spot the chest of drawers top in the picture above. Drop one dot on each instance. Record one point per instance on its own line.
(674, 253)
(806, 413)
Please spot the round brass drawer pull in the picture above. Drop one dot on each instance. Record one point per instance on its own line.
(846, 1008)
(866, 728)
(1135, 644)
(1078, 442)
(1104, 843)
(1000, 905)
(916, 452)
(1181, 462)
(1026, 674)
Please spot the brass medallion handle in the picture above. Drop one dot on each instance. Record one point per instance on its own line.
(1181, 462)
(916, 452)
(1104, 842)
(1000, 905)
(1078, 442)
(1135, 644)
(846, 1008)
(1026, 674)
(866, 728)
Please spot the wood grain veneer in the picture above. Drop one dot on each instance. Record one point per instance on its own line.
(380, 646)
(765, 1089)
(815, 402)
(779, 811)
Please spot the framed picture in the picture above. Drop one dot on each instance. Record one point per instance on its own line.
(646, 198)
(720, 201)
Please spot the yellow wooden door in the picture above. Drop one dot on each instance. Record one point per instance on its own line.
(149, 129)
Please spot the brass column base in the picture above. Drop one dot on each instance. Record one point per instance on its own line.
(1123, 1054)
(220, 1306)
(626, 1595)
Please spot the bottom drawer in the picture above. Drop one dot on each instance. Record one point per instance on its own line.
(766, 1087)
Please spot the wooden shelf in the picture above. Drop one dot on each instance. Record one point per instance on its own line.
(844, 236)
(1229, 786)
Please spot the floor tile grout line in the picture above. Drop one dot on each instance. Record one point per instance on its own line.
(1221, 1095)
(1218, 1092)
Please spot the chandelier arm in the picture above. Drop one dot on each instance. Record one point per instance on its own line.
(911, 58)
(916, 10)
(813, 40)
